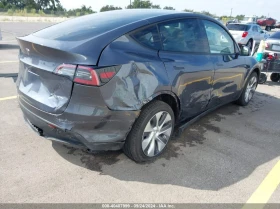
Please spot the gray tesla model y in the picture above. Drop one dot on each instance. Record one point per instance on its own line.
(127, 79)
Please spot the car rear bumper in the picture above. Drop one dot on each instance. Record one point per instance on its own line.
(96, 127)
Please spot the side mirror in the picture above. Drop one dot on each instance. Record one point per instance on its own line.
(245, 51)
(262, 31)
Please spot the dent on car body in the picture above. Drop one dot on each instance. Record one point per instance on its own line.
(137, 81)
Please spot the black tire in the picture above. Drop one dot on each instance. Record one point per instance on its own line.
(263, 78)
(275, 77)
(133, 144)
(241, 100)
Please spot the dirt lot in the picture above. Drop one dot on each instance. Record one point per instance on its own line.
(222, 158)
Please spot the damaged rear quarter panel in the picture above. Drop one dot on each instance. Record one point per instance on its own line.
(142, 74)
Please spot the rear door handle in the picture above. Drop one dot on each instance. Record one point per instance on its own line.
(219, 64)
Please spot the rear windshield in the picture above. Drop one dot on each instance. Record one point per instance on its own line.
(275, 35)
(238, 27)
(85, 27)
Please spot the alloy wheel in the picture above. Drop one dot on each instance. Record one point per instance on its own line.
(157, 134)
(251, 88)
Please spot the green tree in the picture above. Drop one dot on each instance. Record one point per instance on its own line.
(168, 8)
(109, 7)
(80, 11)
(207, 13)
(240, 17)
(31, 4)
(8, 4)
(188, 10)
(140, 4)
(155, 7)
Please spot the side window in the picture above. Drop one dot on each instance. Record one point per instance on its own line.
(255, 29)
(259, 29)
(183, 35)
(148, 37)
(219, 40)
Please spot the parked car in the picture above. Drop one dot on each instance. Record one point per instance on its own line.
(245, 34)
(272, 44)
(109, 83)
(232, 21)
(268, 23)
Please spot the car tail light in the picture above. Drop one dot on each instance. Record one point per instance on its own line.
(270, 56)
(66, 70)
(86, 75)
(244, 34)
(266, 45)
(107, 73)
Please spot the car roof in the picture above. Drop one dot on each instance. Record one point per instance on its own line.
(108, 27)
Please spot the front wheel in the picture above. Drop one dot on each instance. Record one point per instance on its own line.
(248, 90)
(150, 133)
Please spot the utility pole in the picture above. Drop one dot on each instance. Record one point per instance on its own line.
(230, 12)
(130, 4)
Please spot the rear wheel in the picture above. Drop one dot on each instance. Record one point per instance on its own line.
(248, 90)
(150, 133)
(275, 77)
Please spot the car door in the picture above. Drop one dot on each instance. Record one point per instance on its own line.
(256, 34)
(261, 33)
(185, 53)
(230, 69)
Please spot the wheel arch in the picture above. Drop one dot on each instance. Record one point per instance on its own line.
(256, 70)
(170, 98)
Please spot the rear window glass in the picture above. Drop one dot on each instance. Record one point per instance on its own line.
(86, 27)
(148, 37)
(238, 27)
(275, 35)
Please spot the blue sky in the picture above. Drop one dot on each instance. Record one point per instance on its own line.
(218, 7)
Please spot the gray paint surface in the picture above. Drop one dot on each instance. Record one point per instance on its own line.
(90, 115)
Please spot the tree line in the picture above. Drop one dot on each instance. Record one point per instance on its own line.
(54, 6)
